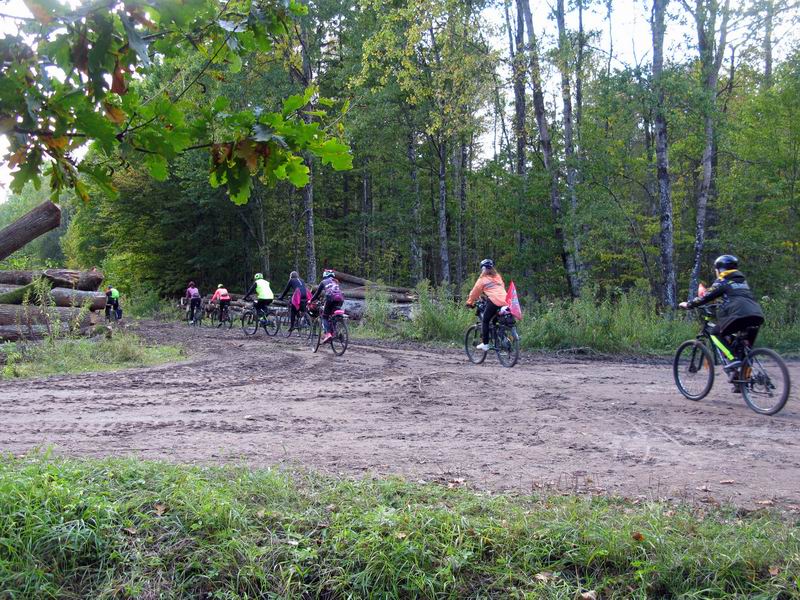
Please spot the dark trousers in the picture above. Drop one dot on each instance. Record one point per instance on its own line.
(194, 307)
(296, 312)
(261, 305)
(223, 306)
(750, 325)
(112, 304)
(488, 314)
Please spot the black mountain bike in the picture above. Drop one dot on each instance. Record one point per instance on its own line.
(762, 378)
(302, 325)
(338, 325)
(503, 338)
(267, 319)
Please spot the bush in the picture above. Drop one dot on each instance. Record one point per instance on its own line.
(377, 316)
(438, 316)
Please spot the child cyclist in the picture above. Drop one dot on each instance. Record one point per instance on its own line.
(195, 299)
(333, 298)
(737, 309)
(489, 284)
(297, 288)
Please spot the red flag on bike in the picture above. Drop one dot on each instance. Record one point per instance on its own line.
(701, 290)
(513, 302)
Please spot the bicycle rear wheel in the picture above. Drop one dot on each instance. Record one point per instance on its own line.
(286, 323)
(271, 324)
(765, 381)
(472, 339)
(341, 338)
(214, 317)
(693, 369)
(507, 346)
(249, 322)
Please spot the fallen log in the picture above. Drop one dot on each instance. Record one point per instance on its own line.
(391, 296)
(17, 294)
(28, 227)
(87, 281)
(361, 282)
(67, 297)
(32, 315)
(16, 333)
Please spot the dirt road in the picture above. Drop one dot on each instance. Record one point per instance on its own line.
(427, 414)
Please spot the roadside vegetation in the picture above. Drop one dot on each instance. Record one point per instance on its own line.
(53, 356)
(132, 529)
(623, 323)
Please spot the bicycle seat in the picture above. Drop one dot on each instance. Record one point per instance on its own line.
(338, 312)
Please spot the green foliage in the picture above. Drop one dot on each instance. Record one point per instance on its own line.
(438, 317)
(71, 76)
(132, 528)
(377, 316)
(81, 355)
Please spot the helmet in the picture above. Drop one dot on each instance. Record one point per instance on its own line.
(191, 284)
(328, 273)
(258, 276)
(219, 285)
(725, 262)
(487, 263)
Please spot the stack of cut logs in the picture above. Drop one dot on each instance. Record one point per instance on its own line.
(68, 290)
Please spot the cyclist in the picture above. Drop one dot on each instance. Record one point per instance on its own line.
(334, 298)
(112, 302)
(297, 287)
(222, 296)
(195, 300)
(264, 295)
(737, 310)
(489, 284)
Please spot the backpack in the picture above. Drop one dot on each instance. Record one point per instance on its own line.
(333, 291)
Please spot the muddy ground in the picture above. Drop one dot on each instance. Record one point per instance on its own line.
(551, 423)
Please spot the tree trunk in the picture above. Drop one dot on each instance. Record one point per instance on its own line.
(569, 147)
(444, 252)
(567, 259)
(28, 227)
(460, 156)
(768, 25)
(416, 222)
(711, 55)
(667, 246)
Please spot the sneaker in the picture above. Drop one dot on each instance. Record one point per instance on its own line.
(483, 347)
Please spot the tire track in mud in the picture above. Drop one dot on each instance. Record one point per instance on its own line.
(552, 423)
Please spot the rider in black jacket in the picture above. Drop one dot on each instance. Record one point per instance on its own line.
(294, 285)
(738, 309)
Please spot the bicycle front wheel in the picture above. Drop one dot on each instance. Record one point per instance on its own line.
(249, 323)
(765, 381)
(286, 323)
(472, 339)
(693, 369)
(315, 339)
(507, 347)
(341, 338)
(214, 316)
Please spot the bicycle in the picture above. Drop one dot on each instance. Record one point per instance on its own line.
(503, 338)
(762, 378)
(340, 335)
(253, 318)
(302, 324)
(221, 316)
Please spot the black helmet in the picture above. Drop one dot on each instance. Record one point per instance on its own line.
(487, 263)
(725, 262)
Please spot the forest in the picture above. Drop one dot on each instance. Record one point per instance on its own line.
(507, 129)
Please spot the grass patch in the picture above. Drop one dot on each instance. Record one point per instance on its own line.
(132, 529)
(80, 355)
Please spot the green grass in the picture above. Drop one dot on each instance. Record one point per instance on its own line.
(79, 355)
(132, 529)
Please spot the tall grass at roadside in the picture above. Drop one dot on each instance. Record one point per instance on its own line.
(132, 529)
(437, 316)
(149, 304)
(80, 355)
(377, 321)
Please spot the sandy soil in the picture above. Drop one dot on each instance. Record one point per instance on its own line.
(554, 423)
